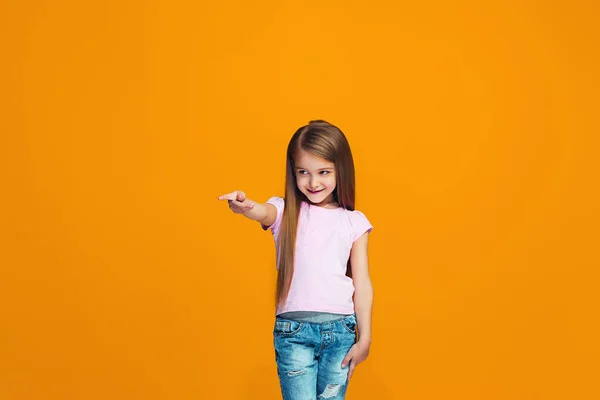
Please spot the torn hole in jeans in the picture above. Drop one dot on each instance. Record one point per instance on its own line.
(331, 390)
(296, 373)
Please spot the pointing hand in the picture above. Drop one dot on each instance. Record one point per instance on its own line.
(238, 202)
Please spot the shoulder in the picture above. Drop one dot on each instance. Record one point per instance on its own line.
(276, 200)
(359, 222)
(356, 216)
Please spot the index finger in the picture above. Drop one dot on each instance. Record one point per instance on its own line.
(228, 196)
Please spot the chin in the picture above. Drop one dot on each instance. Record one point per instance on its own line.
(316, 199)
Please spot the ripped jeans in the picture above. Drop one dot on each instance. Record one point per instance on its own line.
(309, 357)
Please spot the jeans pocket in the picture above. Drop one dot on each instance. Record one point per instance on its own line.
(349, 323)
(287, 328)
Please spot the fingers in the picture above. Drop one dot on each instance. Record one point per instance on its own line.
(347, 359)
(238, 202)
(236, 195)
(351, 370)
(241, 206)
(229, 196)
(350, 361)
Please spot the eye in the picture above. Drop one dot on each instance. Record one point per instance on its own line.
(325, 172)
(301, 172)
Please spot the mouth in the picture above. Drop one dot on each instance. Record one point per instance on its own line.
(314, 191)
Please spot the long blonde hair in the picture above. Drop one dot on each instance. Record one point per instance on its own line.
(327, 141)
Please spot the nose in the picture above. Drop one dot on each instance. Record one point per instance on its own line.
(314, 183)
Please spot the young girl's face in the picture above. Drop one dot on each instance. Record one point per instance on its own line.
(315, 178)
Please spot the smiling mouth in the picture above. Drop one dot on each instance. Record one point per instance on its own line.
(314, 192)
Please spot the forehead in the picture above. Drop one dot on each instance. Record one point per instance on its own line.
(304, 159)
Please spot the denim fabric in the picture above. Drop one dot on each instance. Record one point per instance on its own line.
(309, 357)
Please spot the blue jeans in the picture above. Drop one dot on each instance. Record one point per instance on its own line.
(309, 357)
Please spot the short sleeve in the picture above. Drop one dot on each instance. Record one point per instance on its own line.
(279, 204)
(360, 225)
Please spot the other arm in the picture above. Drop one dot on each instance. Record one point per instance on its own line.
(363, 303)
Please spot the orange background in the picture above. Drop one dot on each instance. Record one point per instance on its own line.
(123, 277)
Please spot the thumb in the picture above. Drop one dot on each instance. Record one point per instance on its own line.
(240, 196)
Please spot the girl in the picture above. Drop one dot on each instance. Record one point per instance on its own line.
(324, 291)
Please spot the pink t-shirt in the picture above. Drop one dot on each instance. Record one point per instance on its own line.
(323, 243)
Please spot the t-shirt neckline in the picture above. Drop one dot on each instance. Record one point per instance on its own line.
(323, 208)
